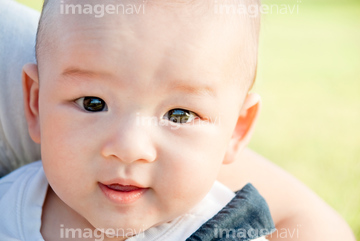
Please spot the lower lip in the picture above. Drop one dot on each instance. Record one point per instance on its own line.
(121, 197)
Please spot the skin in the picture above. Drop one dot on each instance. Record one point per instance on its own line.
(81, 150)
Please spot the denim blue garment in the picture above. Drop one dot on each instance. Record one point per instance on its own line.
(245, 217)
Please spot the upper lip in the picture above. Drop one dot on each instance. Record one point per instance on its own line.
(123, 182)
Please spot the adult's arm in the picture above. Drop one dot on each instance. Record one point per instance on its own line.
(18, 26)
(297, 211)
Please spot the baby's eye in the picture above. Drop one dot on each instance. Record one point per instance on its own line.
(180, 116)
(92, 104)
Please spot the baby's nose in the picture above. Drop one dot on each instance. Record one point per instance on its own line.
(129, 143)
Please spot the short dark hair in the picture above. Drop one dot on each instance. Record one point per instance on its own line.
(40, 30)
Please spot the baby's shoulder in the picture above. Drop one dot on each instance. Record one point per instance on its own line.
(18, 176)
(22, 194)
(19, 184)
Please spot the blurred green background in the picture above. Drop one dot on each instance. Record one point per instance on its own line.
(309, 79)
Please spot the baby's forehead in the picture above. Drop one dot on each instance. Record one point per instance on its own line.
(170, 14)
(188, 35)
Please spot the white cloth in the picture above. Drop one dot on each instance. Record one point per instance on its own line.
(22, 194)
(18, 26)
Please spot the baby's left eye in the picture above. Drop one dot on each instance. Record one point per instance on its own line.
(180, 116)
(92, 104)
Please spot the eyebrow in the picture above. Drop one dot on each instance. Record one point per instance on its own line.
(199, 90)
(195, 90)
(71, 71)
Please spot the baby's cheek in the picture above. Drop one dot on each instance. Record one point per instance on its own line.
(186, 181)
(63, 149)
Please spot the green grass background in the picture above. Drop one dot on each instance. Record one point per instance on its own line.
(309, 79)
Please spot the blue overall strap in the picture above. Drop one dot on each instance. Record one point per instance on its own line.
(245, 217)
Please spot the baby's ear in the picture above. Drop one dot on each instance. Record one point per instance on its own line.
(244, 127)
(30, 83)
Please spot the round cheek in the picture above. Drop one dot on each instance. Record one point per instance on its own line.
(187, 172)
(65, 155)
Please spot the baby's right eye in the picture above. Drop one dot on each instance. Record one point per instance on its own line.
(92, 104)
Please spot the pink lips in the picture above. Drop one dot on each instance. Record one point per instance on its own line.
(122, 194)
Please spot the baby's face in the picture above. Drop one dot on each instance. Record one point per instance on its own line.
(101, 80)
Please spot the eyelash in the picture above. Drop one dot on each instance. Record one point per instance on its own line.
(81, 102)
(175, 120)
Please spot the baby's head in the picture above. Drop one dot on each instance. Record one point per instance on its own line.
(156, 100)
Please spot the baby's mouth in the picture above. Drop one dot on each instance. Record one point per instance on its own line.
(123, 188)
(122, 194)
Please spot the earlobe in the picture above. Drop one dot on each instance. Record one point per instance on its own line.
(30, 83)
(244, 127)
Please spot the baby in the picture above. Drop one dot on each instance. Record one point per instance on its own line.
(135, 115)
